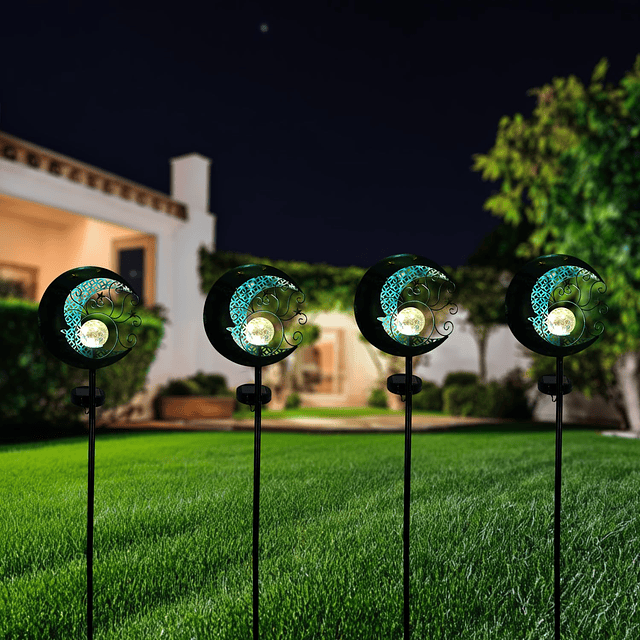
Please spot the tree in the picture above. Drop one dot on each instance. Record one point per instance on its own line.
(498, 248)
(595, 210)
(595, 207)
(482, 283)
(526, 154)
(572, 170)
(481, 290)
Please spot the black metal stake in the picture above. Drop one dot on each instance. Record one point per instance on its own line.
(407, 490)
(256, 497)
(558, 480)
(90, 483)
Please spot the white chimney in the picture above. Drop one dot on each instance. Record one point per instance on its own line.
(190, 180)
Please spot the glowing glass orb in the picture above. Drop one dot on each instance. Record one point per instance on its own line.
(410, 321)
(94, 333)
(259, 332)
(561, 321)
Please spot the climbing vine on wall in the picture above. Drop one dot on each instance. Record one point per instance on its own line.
(327, 288)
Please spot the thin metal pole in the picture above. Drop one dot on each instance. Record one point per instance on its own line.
(558, 484)
(90, 483)
(256, 498)
(407, 491)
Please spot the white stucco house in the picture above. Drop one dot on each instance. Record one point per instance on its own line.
(57, 213)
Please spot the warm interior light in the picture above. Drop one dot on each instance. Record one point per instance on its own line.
(259, 332)
(410, 321)
(94, 334)
(561, 321)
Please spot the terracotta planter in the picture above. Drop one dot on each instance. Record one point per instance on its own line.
(194, 407)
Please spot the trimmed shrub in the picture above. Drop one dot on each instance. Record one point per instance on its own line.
(200, 384)
(429, 398)
(460, 400)
(378, 399)
(212, 384)
(511, 401)
(180, 388)
(461, 378)
(504, 399)
(293, 401)
(35, 387)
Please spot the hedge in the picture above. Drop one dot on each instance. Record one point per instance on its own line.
(35, 387)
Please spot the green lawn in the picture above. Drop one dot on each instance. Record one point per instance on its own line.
(330, 412)
(173, 536)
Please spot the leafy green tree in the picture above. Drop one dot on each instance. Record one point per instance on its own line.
(527, 153)
(498, 248)
(480, 290)
(594, 212)
(482, 283)
(572, 170)
(595, 208)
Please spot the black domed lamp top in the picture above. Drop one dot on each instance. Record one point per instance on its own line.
(552, 305)
(82, 315)
(248, 315)
(396, 303)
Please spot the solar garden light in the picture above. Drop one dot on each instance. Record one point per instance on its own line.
(395, 307)
(247, 315)
(81, 323)
(551, 309)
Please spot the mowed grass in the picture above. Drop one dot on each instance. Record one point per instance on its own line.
(330, 412)
(173, 536)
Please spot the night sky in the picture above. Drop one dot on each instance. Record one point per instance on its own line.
(339, 132)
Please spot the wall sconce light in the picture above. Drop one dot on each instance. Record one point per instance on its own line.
(250, 316)
(396, 308)
(81, 320)
(552, 309)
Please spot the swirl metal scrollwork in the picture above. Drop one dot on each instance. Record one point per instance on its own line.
(274, 299)
(88, 301)
(572, 288)
(420, 287)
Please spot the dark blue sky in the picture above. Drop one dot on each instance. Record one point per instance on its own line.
(343, 134)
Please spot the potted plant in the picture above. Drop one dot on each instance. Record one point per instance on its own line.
(200, 396)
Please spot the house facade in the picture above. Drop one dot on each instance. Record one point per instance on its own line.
(57, 213)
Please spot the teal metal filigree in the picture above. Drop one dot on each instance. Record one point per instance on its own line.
(561, 287)
(87, 302)
(411, 286)
(267, 297)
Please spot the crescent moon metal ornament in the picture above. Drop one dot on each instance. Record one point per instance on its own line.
(396, 306)
(81, 324)
(551, 309)
(396, 303)
(248, 312)
(551, 306)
